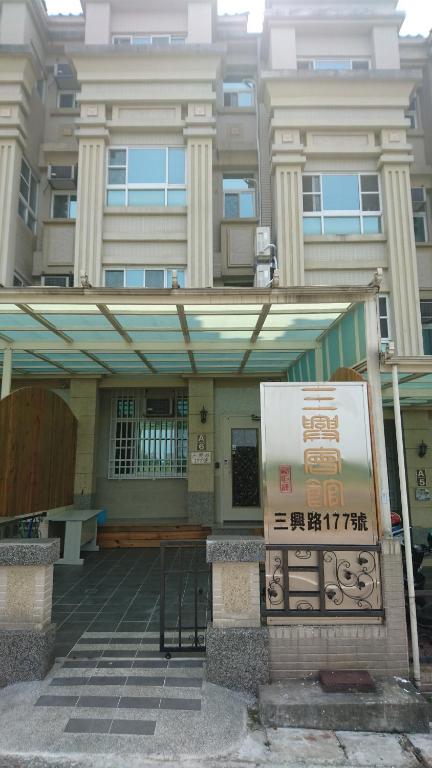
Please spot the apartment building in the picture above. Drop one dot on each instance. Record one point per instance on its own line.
(188, 210)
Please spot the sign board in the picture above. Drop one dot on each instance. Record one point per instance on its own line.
(421, 478)
(202, 457)
(317, 460)
(201, 442)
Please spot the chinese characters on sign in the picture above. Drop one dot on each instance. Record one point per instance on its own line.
(317, 438)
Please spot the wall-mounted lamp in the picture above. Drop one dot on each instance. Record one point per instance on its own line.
(422, 449)
(203, 414)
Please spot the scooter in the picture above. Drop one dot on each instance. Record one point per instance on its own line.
(417, 550)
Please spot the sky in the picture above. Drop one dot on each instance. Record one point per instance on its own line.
(418, 21)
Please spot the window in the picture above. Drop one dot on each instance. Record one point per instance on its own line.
(143, 278)
(66, 100)
(239, 197)
(240, 93)
(426, 320)
(57, 281)
(339, 64)
(411, 113)
(64, 206)
(41, 89)
(384, 317)
(153, 176)
(143, 445)
(63, 69)
(157, 40)
(419, 202)
(341, 204)
(27, 202)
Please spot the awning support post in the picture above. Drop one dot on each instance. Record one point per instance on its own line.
(406, 528)
(7, 372)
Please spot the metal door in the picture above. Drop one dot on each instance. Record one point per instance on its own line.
(241, 498)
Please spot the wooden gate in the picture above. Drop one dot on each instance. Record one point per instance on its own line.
(37, 452)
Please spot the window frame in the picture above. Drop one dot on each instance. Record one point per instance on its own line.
(384, 317)
(30, 214)
(69, 195)
(423, 215)
(137, 445)
(127, 187)
(175, 38)
(313, 61)
(252, 190)
(412, 113)
(154, 268)
(323, 214)
(60, 94)
(236, 91)
(67, 278)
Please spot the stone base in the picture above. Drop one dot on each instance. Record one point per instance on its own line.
(200, 507)
(25, 655)
(237, 658)
(395, 707)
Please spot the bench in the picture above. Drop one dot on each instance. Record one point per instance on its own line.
(80, 533)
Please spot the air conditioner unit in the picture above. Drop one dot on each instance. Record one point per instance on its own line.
(65, 76)
(262, 242)
(63, 176)
(161, 405)
(262, 276)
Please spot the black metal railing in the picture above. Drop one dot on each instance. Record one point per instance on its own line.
(322, 580)
(185, 596)
(23, 527)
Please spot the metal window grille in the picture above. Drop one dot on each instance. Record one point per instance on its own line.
(147, 446)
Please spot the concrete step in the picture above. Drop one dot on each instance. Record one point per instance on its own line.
(395, 707)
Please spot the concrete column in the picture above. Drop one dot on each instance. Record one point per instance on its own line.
(91, 201)
(237, 645)
(26, 632)
(199, 141)
(288, 161)
(201, 476)
(402, 258)
(7, 373)
(376, 406)
(84, 404)
(10, 168)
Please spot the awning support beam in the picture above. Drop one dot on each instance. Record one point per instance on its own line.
(7, 373)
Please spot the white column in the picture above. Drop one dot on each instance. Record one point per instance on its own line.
(200, 206)
(289, 224)
(91, 200)
(402, 258)
(406, 527)
(7, 373)
(374, 379)
(10, 166)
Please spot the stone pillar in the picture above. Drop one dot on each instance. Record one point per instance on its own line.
(401, 255)
(26, 632)
(10, 169)
(91, 201)
(199, 140)
(288, 164)
(237, 645)
(201, 476)
(83, 403)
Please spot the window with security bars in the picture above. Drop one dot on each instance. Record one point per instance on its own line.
(426, 320)
(144, 444)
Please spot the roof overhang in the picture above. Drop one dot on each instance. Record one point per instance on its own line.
(171, 332)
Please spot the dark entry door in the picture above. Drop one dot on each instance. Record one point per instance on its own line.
(241, 470)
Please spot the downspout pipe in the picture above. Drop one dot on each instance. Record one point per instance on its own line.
(406, 529)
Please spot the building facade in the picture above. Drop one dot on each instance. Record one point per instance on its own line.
(157, 159)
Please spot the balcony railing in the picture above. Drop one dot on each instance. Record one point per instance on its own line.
(322, 581)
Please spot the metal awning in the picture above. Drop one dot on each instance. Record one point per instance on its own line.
(415, 380)
(183, 332)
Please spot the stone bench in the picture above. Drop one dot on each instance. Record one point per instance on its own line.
(80, 533)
